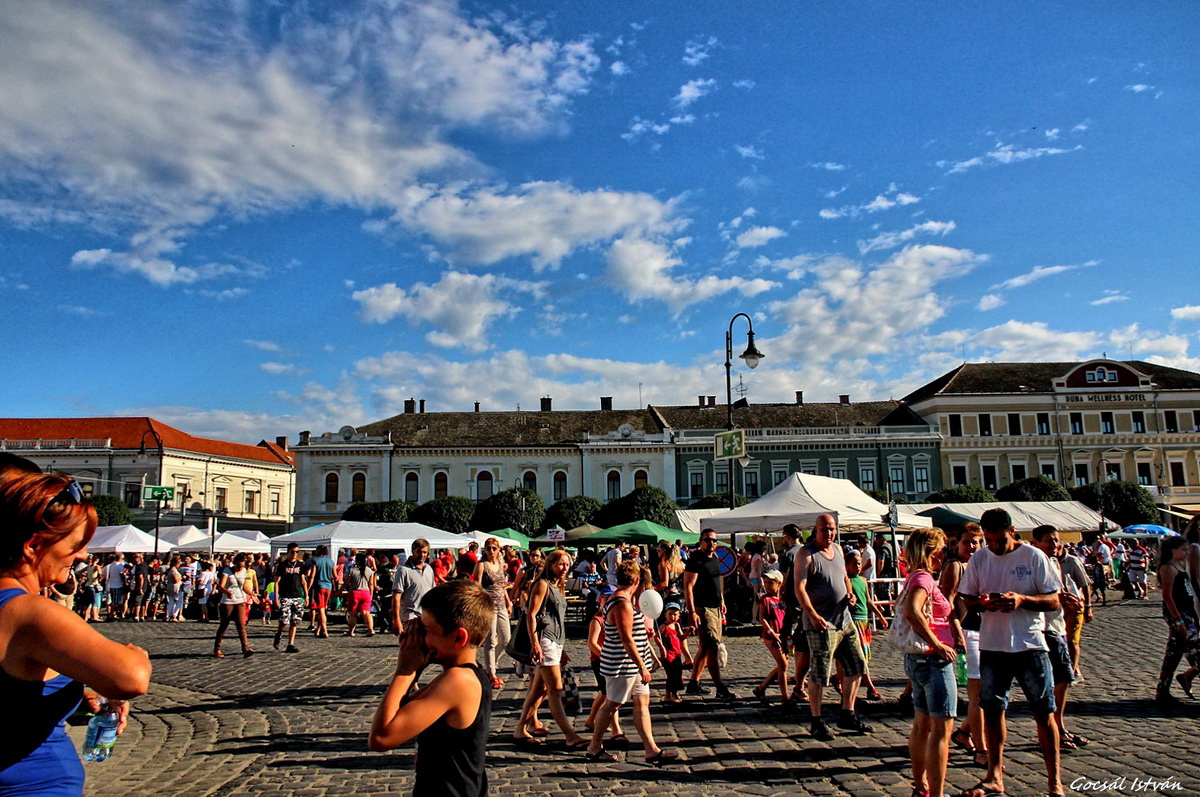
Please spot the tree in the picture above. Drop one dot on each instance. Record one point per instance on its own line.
(452, 513)
(112, 511)
(1124, 503)
(965, 494)
(718, 501)
(882, 496)
(644, 503)
(571, 512)
(519, 508)
(1036, 488)
(379, 511)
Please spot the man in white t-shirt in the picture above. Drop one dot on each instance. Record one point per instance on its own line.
(1047, 540)
(114, 582)
(611, 560)
(1014, 586)
(867, 556)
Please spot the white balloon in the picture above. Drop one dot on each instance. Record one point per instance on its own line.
(651, 604)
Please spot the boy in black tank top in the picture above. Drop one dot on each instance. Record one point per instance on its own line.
(449, 716)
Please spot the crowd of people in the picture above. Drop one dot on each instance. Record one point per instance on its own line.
(980, 608)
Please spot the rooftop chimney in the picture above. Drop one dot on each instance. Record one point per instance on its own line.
(477, 406)
(606, 402)
(282, 442)
(410, 406)
(702, 401)
(304, 438)
(800, 397)
(844, 398)
(546, 403)
(422, 405)
(712, 401)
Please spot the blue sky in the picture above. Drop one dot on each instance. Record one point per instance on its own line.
(249, 219)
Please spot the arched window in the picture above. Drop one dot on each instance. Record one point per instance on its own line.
(560, 486)
(358, 487)
(614, 485)
(529, 481)
(439, 484)
(483, 486)
(640, 479)
(411, 487)
(331, 488)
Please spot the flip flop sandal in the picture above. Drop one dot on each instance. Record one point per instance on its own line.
(601, 756)
(962, 740)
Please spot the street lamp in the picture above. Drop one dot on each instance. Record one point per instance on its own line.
(752, 356)
(142, 455)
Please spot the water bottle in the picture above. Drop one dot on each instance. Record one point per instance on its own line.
(960, 669)
(101, 733)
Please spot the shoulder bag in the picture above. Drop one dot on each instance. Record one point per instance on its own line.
(902, 635)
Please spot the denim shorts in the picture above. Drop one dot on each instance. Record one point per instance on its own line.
(997, 670)
(1061, 667)
(934, 690)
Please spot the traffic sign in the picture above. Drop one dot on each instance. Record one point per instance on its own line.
(727, 560)
(151, 492)
(730, 445)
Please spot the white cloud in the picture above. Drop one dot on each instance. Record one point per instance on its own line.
(619, 68)
(641, 269)
(885, 201)
(1139, 88)
(80, 310)
(1082, 127)
(794, 268)
(278, 369)
(890, 240)
(263, 345)
(1110, 297)
(1005, 154)
(683, 119)
(460, 306)
(990, 301)
(1038, 273)
(1189, 312)
(1052, 134)
(829, 166)
(1018, 341)
(697, 50)
(759, 236)
(693, 90)
(749, 152)
(743, 84)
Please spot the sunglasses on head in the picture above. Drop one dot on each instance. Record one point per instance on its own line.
(72, 493)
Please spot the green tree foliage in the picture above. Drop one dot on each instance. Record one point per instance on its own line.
(1124, 503)
(379, 511)
(571, 512)
(112, 511)
(965, 494)
(1036, 488)
(518, 508)
(644, 503)
(882, 496)
(452, 513)
(718, 501)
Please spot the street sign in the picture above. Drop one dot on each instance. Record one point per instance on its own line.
(556, 535)
(726, 560)
(152, 492)
(730, 445)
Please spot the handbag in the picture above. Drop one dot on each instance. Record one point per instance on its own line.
(902, 635)
(520, 646)
(571, 700)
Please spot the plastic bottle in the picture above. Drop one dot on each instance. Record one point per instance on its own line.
(101, 733)
(960, 669)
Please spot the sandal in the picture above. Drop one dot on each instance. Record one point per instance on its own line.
(1065, 742)
(761, 694)
(1080, 741)
(661, 757)
(979, 790)
(218, 654)
(619, 739)
(1185, 684)
(962, 740)
(528, 743)
(540, 732)
(601, 756)
(579, 744)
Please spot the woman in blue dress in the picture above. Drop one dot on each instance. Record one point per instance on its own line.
(47, 652)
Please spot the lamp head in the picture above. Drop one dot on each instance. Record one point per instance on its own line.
(751, 355)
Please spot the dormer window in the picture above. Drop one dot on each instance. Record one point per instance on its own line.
(1101, 374)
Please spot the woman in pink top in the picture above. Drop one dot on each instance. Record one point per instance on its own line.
(935, 693)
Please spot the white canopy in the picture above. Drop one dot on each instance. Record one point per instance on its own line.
(229, 542)
(126, 539)
(689, 519)
(249, 534)
(801, 499)
(357, 534)
(181, 535)
(483, 536)
(1028, 515)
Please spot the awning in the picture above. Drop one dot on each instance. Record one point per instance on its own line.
(1184, 515)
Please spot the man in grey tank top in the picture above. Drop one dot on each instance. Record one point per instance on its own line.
(825, 597)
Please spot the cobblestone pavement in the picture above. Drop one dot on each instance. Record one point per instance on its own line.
(296, 725)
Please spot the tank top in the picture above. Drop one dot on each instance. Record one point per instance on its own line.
(1181, 593)
(236, 584)
(826, 587)
(613, 658)
(41, 760)
(554, 610)
(450, 761)
(493, 583)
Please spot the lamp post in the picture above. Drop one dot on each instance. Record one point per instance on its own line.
(752, 356)
(142, 455)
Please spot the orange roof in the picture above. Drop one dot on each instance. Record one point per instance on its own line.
(132, 433)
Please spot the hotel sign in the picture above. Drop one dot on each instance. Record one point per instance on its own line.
(1105, 397)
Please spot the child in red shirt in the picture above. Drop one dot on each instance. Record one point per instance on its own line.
(672, 636)
(770, 614)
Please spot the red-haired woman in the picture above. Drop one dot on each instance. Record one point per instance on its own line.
(49, 652)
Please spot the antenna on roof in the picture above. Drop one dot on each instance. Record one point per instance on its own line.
(639, 394)
(741, 388)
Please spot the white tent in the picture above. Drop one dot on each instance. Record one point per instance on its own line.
(1028, 515)
(229, 542)
(248, 534)
(181, 535)
(356, 534)
(801, 499)
(483, 536)
(690, 519)
(126, 539)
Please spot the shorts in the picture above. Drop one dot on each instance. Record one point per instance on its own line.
(710, 630)
(998, 670)
(1061, 668)
(756, 583)
(835, 643)
(622, 687)
(972, 653)
(1074, 618)
(600, 687)
(934, 690)
(321, 598)
(360, 601)
(551, 652)
(116, 596)
(291, 610)
(864, 637)
(1137, 577)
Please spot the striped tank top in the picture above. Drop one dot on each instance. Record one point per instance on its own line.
(614, 660)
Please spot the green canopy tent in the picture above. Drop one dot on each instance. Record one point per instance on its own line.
(505, 536)
(640, 532)
(947, 519)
